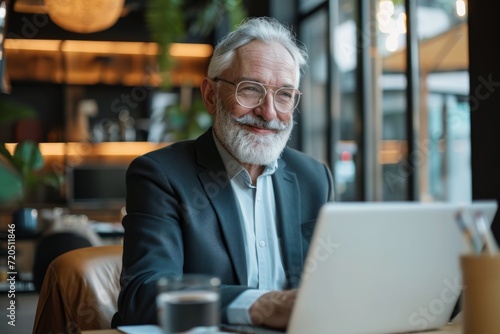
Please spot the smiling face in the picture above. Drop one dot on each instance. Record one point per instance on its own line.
(255, 136)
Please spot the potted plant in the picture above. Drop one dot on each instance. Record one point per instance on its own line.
(21, 173)
(176, 20)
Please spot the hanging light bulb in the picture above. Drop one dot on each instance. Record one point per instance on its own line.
(84, 16)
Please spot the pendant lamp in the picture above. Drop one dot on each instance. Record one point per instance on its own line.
(84, 16)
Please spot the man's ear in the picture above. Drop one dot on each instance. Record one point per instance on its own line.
(208, 95)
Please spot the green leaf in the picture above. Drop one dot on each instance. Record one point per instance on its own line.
(166, 24)
(13, 111)
(6, 154)
(237, 13)
(167, 20)
(53, 180)
(12, 185)
(28, 158)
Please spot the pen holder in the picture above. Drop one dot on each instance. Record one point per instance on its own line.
(481, 294)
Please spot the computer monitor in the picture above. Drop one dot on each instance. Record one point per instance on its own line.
(96, 186)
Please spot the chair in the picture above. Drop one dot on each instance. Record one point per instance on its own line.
(80, 291)
(51, 246)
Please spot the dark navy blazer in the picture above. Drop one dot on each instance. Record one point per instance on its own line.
(182, 218)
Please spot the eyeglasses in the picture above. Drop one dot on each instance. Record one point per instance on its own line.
(251, 94)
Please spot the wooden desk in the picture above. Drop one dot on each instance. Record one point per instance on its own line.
(450, 329)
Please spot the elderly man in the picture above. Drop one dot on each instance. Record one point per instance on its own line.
(235, 203)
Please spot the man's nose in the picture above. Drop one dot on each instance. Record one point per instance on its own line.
(267, 109)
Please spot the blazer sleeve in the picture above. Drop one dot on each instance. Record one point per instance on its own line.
(164, 238)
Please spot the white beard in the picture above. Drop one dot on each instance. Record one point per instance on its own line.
(246, 146)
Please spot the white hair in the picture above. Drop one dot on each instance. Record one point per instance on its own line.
(265, 29)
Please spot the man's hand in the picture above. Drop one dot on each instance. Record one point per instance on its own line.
(273, 309)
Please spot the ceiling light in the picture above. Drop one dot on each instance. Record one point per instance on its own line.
(84, 16)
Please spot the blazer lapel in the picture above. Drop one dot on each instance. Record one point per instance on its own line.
(218, 190)
(289, 228)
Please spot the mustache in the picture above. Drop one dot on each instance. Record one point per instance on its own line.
(258, 122)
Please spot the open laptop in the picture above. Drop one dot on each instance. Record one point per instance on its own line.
(383, 267)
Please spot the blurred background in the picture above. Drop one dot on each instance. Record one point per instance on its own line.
(400, 97)
(386, 104)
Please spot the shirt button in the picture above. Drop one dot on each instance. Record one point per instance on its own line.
(262, 243)
(258, 199)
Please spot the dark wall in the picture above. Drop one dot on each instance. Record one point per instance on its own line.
(258, 8)
(47, 100)
(484, 54)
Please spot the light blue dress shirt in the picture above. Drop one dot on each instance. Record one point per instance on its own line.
(257, 210)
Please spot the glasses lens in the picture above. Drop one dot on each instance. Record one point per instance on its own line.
(250, 94)
(286, 99)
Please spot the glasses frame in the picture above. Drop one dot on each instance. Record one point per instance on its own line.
(266, 90)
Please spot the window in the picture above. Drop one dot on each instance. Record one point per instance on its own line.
(389, 131)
